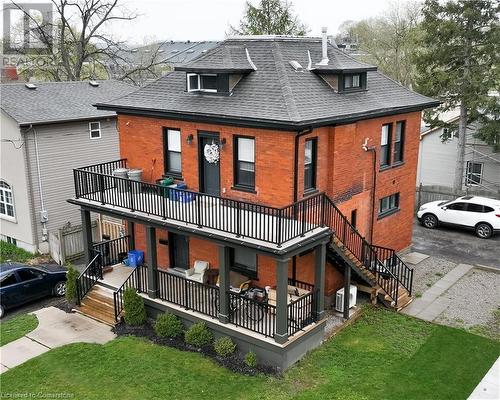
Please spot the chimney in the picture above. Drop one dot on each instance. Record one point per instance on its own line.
(324, 47)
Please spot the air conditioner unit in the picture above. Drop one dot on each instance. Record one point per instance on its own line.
(339, 298)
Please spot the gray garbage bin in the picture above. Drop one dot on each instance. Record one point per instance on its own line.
(135, 174)
(121, 185)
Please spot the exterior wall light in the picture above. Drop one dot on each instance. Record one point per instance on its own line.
(189, 139)
(222, 143)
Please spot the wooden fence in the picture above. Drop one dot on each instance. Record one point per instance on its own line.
(66, 244)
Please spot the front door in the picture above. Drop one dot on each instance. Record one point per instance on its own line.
(209, 163)
(179, 251)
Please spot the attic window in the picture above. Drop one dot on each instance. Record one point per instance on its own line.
(352, 81)
(202, 83)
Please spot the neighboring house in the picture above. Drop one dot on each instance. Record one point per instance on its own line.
(48, 129)
(437, 160)
(300, 165)
(167, 55)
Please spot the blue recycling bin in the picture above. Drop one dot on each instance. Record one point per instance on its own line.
(135, 258)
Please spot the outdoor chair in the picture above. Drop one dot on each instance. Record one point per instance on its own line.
(198, 272)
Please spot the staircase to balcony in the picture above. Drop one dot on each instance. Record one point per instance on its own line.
(277, 229)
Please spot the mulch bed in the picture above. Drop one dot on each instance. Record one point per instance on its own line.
(234, 362)
(62, 304)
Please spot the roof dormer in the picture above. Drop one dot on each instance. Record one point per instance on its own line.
(340, 71)
(218, 71)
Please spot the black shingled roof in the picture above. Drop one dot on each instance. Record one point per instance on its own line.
(274, 94)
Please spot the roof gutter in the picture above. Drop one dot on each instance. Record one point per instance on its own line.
(263, 123)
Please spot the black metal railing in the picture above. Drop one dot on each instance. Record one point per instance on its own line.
(257, 316)
(301, 284)
(189, 294)
(113, 251)
(372, 257)
(243, 219)
(301, 313)
(90, 275)
(137, 279)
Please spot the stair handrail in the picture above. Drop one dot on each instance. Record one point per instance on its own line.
(368, 254)
(88, 278)
(133, 280)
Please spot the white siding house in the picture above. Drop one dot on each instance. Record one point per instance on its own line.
(437, 162)
(46, 132)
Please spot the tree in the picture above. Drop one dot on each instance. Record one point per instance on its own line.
(458, 63)
(270, 17)
(81, 46)
(388, 41)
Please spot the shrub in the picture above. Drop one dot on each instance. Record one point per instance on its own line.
(251, 359)
(168, 325)
(133, 305)
(224, 346)
(198, 335)
(10, 252)
(71, 278)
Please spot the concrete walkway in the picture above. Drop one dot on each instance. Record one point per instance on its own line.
(55, 328)
(489, 387)
(431, 304)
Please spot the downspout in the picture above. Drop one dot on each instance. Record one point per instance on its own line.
(296, 183)
(374, 184)
(43, 212)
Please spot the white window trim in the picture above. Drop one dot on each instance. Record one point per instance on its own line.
(199, 83)
(95, 130)
(6, 217)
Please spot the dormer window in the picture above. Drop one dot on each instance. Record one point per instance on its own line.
(352, 81)
(202, 83)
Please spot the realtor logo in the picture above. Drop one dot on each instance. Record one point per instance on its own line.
(31, 32)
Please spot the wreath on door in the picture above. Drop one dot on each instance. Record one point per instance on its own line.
(211, 152)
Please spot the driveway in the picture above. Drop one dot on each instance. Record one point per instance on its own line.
(456, 245)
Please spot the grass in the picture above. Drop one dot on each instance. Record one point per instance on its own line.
(10, 252)
(383, 355)
(17, 327)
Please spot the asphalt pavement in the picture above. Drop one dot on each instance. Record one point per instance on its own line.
(456, 245)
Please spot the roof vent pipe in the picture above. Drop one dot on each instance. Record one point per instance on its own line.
(324, 47)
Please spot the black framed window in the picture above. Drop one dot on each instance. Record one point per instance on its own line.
(352, 81)
(474, 173)
(173, 159)
(244, 162)
(388, 204)
(385, 145)
(399, 141)
(244, 261)
(310, 163)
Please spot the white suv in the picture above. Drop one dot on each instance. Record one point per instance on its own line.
(472, 212)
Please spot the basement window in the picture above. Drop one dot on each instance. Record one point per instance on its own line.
(202, 83)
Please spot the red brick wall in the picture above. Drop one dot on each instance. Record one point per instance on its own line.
(141, 142)
(344, 172)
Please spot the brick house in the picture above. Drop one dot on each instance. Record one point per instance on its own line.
(300, 166)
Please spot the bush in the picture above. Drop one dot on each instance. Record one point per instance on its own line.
(10, 252)
(198, 335)
(71, 278)
(133, 305)
(251, 359)
(224, 346)
(168, 325)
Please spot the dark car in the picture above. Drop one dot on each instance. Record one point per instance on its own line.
(20, 283)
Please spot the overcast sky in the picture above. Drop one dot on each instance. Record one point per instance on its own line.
(198, 20)
(209, 19)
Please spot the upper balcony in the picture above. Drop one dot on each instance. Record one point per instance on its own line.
(271, 229)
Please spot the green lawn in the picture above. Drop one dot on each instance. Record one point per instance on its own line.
(17, 327)
(383, 355)
(10, 252)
